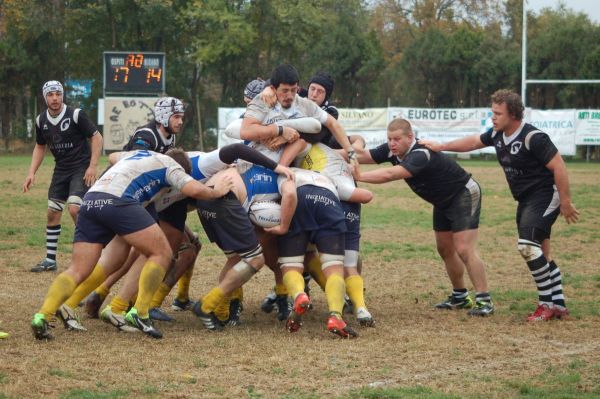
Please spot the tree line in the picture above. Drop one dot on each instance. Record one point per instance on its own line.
(418, 53)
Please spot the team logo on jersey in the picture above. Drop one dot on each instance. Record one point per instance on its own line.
(64, 125)
(499, 144)
(45, 126)
(515, 147)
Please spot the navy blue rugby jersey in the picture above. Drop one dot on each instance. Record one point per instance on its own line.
(149, 138)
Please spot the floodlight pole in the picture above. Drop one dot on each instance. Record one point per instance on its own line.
(524, 55)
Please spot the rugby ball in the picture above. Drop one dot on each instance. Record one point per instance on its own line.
(265, 213)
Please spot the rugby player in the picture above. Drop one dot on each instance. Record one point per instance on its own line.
(113, 206)
(538, 180)
(66, 130)
(456, 200)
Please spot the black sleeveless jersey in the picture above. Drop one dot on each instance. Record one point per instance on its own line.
(436, 177)
(149, 138)
(66, 135)
(523, 156)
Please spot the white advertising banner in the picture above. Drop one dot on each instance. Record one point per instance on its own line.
(122, 115)
(560, 126)
(587, 127)
(363, 119)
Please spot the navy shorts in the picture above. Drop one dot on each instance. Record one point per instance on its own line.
(462, 213)
(176, 214)
(226, 223)
(102, 216)
(352, 215)
(319, 219)
(66, 183)
(538, 211)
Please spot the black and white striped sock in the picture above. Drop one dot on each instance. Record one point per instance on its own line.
(52, 234)
(540, 271)
(460, 294)
(556, 285)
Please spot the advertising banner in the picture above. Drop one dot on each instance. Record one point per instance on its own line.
(587, 127)
(122, 115)
(560, 126)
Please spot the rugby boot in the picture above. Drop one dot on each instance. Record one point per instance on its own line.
(93, 303)
(159, 314)
(209, 320)
(69, 318)
(40, 327)
(181, 305)
(284, 307)
(337, 326)
(235, 311)
(117, 320)
(143, 324)
(560, 312)
(454, 303)
(45, 265)
(269, 303)
(482, 308)
(542, 313)
(364, 318)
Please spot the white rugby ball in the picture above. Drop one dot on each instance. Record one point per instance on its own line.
(265, 213)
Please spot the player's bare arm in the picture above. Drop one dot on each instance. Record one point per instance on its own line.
(96, 149)
(289, 200)
(384, 175)
(466, 144)
(36, 161)
(561, 179)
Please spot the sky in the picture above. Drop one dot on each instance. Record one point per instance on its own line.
(589, 7)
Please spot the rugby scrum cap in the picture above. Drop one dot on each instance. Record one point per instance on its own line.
(165, 107)
(325, 80)
(52, 85)
(254, 88)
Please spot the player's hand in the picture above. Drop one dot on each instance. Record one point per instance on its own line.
(284, 170)
(28, 183)
(352, 159)
(268, 96)
(90, 176)
(274, 143)
(570, 213)
(355, 172)
(277, 230)
(432, 145)
(223, 186)
(290, 134)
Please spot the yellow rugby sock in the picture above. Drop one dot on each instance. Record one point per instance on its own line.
(238, 293)
(183, 285)
(222, 310)
(211, 300)
(280, 289)
(355, 290)
(314, 268)
(86, 287)
(294, 282)
(103, 291)
(119, 305)
(61, 288)
(160, 295)
(150, 279)
(335, 290)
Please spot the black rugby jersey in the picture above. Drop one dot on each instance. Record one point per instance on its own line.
(149, 138)
(436, 177)
(66, 135)
(523, 156)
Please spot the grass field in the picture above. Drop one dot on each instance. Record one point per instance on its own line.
(414, 351)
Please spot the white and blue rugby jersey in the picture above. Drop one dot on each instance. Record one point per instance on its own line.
(204, 166)
(141, 175)
(308, 177)
(261, 185)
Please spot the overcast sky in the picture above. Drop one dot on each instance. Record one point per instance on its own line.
(589, 7)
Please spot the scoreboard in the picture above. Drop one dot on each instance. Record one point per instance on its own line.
(134, 72)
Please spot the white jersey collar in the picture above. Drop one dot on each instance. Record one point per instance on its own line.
(56, 119)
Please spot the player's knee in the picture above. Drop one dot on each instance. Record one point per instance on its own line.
(74, 200)
(55, 206)
(528, 250)
(329, 260)
(292, 261)
(350, 259)
(244, 270)
(254, 257)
